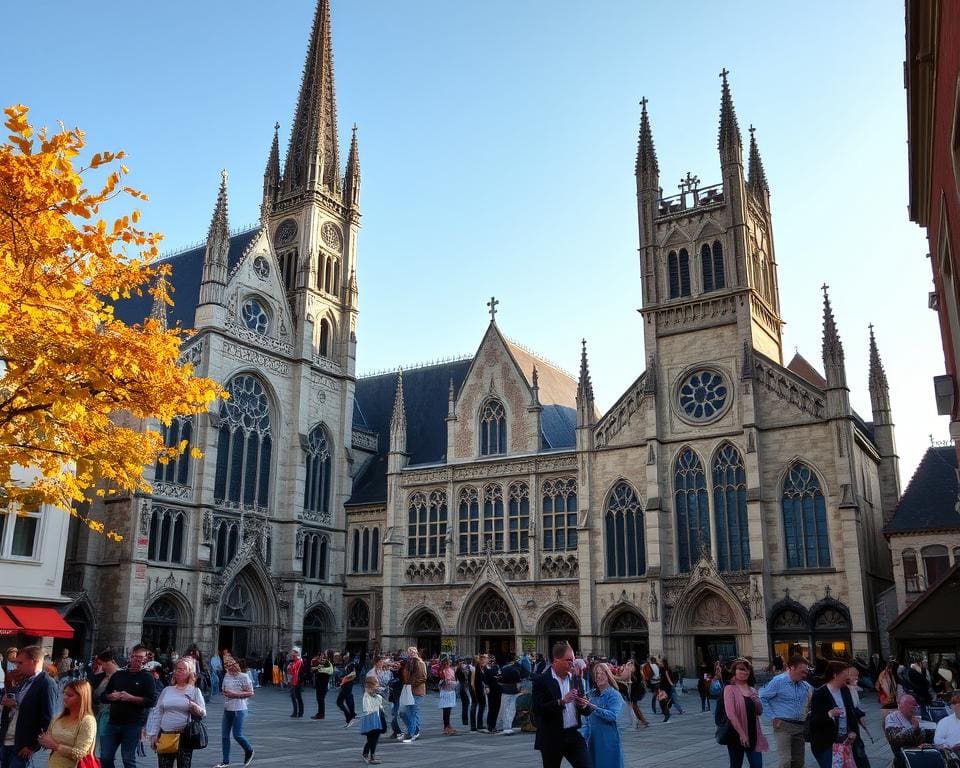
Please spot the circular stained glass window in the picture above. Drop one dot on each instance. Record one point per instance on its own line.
(255, 316)
(261, 267)
(703, 395)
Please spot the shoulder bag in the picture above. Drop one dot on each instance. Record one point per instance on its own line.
(196, 732)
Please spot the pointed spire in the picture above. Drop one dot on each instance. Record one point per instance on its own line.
(585, 386)
(879, 388)
(271, 174)
(646, 153)
(218, 246)
(535, 389)
(398, 421)
(729, 141)
(313, 155)
(756, 177)
(159, 310)
(451, 401)
(351, 193)
(833, 359)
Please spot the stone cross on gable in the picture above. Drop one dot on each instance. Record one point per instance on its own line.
(824, 288)
(643, 102)
(689, 183)
(493, 308)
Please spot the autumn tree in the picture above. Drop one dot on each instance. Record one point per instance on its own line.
(77, 385)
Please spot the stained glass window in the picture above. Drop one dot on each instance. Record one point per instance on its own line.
(254, 316)
(673, 271)
(730, 510)
(559, 514)
(693, 514)
(624, 532)
(176, 470)
(316, 490)
(493, 428)
(703, 395)
(167, 529)
(805, 519)
(469, 518)
(226, 537)
(244, 445)
(315, 556)
(493, 517)
(519, 518)
(684, 272)
(427, 524)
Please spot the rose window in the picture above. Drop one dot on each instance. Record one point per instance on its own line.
(703, 395)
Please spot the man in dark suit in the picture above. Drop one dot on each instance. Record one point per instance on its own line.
(27, 710)
(557, 701)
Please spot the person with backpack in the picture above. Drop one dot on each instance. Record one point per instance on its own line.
(742, 736)
(345, 698)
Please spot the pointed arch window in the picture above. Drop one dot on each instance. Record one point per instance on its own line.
(176, 470)
(806, 537)
(673, 273)
(559, 514)
(226, 537)
(692, 510)
(493, 517)
(315, 557)
(325, 338)
(469, 521)
(624, 532)
(730, 510)
(244, 446)
(493, 614)
(493, 428)
(167, 531)
(684, 259)
(427, 524)
(316, 489)
(711, 265)
(519, 518)
(366, 550)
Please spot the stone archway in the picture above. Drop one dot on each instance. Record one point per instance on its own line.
(423, 631)
(318, 629)
(247, 616)
(708, 625)
(164, 624)
(489, 625)
(559, 625)
(627, 636)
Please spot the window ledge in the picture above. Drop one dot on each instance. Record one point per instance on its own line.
(804, 571)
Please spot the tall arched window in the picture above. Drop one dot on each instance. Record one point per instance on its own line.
(288, 268)
(806, 538)
(559, 514)
(316, 490)
(366, 550)
(624, 532)
(356, 550)
(226, 537)
(719, 275)
(730, 510)
(469, 517)
(493, 428)
(684, 272)
(315, 557)
(519, 514)
(673, 272)
(176, 470)
(693, 514)
(325, 338)
(711, 266)
(167, 531)
(427, 525)
(244, 445)
(493, 517)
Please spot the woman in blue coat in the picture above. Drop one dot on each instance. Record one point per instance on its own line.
(601, 732)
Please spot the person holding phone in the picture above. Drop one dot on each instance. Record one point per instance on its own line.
(27, 709)
(557, 703)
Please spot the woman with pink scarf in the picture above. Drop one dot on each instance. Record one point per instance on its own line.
(742, 705)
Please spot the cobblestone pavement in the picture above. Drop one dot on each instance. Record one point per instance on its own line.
(687, 741)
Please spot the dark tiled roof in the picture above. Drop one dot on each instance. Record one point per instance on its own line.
(929, 503)
(186, 272)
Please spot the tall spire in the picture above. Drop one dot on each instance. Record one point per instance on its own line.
(879, 388)
(351, 194)
(833, 360)
(585, 403)
(756, 177)
(271, 174)
(218, 246)
(398, 420)
(313, 154)
(646, 165)
(728, 142)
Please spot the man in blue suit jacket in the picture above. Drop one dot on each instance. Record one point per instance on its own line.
(557, 701)
(31, 704)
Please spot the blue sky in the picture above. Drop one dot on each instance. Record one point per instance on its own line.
(497, 142)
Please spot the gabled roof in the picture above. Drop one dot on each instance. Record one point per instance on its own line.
(802, 367)
(186, 273)
(930, 501)
(557, 387)
(927, 616)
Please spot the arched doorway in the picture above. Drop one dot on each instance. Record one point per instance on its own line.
(246, 620)
(493, 627)
(161, 625)
(424, 632)
(715, 625)
(629, 636)
(358, 627)
(317, 630)
(830, 625)
(81, 644)
(560, 626)
(789, 631)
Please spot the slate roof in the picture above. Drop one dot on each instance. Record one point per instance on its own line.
(929, 503)
(802, 367)
(186, 273)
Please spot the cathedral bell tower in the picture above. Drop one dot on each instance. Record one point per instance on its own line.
(312, 212)
(706, 254)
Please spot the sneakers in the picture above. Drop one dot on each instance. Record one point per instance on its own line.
(365, 757)
(350, 722)
(248, 758)
(396, 736)
(222, 765)
(374, 761)
(415, 736)
(508, 732)
(406, 740)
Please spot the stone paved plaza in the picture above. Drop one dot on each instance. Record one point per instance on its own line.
(685, 742)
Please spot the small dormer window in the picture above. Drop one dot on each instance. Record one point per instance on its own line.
(255, 316)
(493, 428)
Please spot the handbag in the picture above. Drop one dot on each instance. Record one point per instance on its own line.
(661, 695)
(89, 761)
(168, 743)
(196, 732)
(842, 756)
(406, 696)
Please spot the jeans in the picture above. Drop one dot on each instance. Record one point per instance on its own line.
(10, 758)
(296, 696)
(477, 706)
(508, 710)
(394, 716)
(124, 736)
(233, 721)
(824, 759)
(214, 683)
(345, 702)
(737, 753)
(412, 716)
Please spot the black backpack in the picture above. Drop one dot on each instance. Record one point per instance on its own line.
(726, 734)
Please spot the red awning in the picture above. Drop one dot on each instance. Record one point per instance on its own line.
(42, 622)
(7, 625)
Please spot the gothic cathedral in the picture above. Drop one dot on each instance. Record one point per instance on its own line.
(725, 504)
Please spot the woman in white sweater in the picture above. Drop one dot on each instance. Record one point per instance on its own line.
(177, 703)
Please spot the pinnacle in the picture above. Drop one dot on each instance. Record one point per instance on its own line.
(159, 310)
(756, 177)
(218, 224)
(832, 346)
(878, 377)
(585, 385)
(729, 128)
(646, 152)
(399, 416)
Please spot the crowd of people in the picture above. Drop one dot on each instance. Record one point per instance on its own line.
(573, 704)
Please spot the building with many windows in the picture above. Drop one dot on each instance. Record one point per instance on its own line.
(726, 503)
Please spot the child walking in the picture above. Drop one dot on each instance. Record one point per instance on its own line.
(372, 722)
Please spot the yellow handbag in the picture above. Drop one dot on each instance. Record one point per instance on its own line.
(168, 743)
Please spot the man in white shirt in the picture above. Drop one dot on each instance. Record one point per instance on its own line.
(948, 729)
(557, 701)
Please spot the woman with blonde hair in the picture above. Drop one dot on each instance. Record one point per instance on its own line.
(603, 708)
(177, 704)
(74, 731)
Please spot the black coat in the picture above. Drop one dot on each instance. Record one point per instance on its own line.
(547, 710)
(823, 728)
